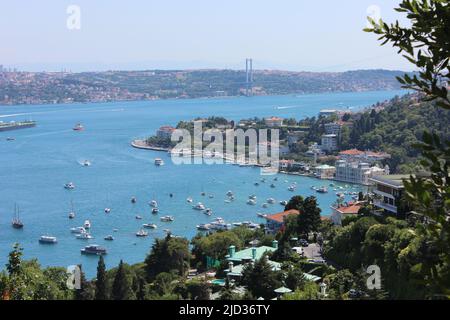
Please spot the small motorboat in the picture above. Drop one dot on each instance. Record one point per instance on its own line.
(84, 236)
(138, 217)
(208, 212)
(253, 197)
(150, 226)
(133, 200)
(155, 210)
(94, 249)
(203, 194)
(48, 240)
(10, 139)
(199, 206)
(291, 188)
(109, 238)
(272, 185)
(261, 215)
(153, 203)
(87, 224)
(270, 200)
(159, 162)
(322, 190)
(107, 210)
(141, 233)
(230, 193)
(251, 202)
(78, 127)
(265, 205)
(78, 230)
(86, 163)
(167, 219)
(211, 196)
(284, 203)
(69, 186)
(71, 215)
(189, 200)
(256, 184)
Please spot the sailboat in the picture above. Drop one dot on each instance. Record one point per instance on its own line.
(72, 211)
(16, 222)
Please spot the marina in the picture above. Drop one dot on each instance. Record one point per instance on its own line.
(125, 179)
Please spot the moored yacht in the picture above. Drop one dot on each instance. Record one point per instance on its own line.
(150, 226)
(94, 249)
(78, 230)
(322, 190)
(167, 219)
(155, 210)
(69, 186)
(141, 233)
(87, 224)
(16, 222)
(78, 127)
(48, 240)
(84, 236)
(199, 206)
(153, 203)
(204, 227)
(270, 200)
(159, 162)
(189, 200)
(133, 200)
(109, 238)
(251, 202)
(86, 163)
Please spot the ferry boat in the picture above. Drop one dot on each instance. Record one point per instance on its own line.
(199, 206)
(141, 233)
(69, 186)
(78, 127)
(150, 226)
(48, 240)
(16, 222)
(13, 125)
(159, 162)
(109, 238)
(94, 249)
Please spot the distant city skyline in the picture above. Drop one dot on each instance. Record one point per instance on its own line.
(292, 35)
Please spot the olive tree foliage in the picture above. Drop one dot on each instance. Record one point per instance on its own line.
(426, 44)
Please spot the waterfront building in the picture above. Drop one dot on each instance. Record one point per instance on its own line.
(366, 156)
(329, 142)
(275, 222)
(325, 171)
(165, 132)
(388, 191)
(274, 122)
(357, 172)
(344, 210)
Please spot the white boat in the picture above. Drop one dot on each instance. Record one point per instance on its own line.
(94, 249)
(261, 215)
(69, 186)
(78, 230)
(251, 202)
(199, 206)
(167, 219)
(291, 188)
(153, 203)
(71, 215)
(133, 200)
(204, 227)
(86, 163)
(253, 197)
(141, 233)
(211, 196)
(220, 226)
(159, 162)
(84, 236)
(237, 224)
(230, 193)
(155, 210)
(189, 200)
(322, 190)
(87, 224)
(48, 239)
(138, 217)
(265, 205)
(283, 202)
(208, 212)
(109, 238)
(270, 201)
(107, 210)
(150, 226)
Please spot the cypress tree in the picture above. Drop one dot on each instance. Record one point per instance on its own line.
(100, 284)
(120, 288)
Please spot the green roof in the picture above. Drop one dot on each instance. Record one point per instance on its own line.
(237, 270)
(248, 253)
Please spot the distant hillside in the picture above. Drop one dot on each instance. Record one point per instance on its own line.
(396, 128)
(26, 87)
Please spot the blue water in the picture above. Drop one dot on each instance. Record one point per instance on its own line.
(34, 168)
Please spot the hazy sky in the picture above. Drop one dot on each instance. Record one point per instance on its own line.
(320, 35)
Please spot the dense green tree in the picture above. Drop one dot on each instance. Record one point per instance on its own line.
(260, 279)
(121, 287)
(100, 282)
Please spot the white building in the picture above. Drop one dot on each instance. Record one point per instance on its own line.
(357, 172)
(388, 191)
(329, 142)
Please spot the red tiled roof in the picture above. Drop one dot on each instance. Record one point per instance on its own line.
(351, 152)
(350, 209)
(274, 119)
(279, 217)
(167, 128)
